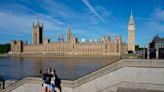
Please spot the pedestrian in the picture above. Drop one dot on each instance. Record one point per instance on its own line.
(46, 80)
(55, 82)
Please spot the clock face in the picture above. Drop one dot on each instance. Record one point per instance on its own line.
(131, 27)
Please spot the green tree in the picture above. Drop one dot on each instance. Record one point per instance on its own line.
(4, 48)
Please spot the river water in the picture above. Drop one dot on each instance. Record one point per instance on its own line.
(69, 68)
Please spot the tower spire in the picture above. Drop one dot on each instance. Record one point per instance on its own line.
(42, 24)
(37, 20)
(69, 35)
(131, 12)
(33, 24)
(131, 20)
(69, 29)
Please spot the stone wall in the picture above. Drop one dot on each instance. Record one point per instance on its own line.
(32, 49)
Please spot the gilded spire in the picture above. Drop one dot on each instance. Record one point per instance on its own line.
(131, 20)
(131, 13)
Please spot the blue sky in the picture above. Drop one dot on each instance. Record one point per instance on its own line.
(88, 19)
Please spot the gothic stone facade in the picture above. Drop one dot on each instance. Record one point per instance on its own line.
(72, 46)
(156, 48)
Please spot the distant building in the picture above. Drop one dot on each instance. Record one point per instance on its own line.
(131, 34)
(156, 48)
(69, 35)
(37, 34)
(72, 47)
(17, 46)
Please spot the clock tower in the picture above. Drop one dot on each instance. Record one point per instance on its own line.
(131, 34)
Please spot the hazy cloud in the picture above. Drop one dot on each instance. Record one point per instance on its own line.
(158, 23)
(92, 9)
(104, 12)
(155, 22)
(17, 18)
(159, 13)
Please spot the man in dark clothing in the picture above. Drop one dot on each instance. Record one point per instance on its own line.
(46, 80)
(58, 82)
(55, 82)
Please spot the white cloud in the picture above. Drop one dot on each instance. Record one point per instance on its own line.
(17, 18)
(155, 22)
(104, 12)
(22, 24)
(68, 15)
(159, 13)
(155, 26)
(92, 9)
(158, 23)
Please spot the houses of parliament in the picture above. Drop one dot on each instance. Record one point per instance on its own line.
(72, 46)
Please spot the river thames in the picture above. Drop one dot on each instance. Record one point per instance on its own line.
(68, 68)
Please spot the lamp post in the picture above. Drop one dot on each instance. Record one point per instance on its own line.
(148, 52)
(157, 53)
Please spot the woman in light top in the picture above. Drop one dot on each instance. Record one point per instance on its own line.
(54, 83)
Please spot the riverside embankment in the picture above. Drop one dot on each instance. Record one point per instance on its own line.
(123, 76)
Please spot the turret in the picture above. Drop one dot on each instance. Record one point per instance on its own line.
(37, 33)
(118, 43)
(69, 35)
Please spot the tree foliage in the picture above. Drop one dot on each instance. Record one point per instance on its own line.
(4, 48)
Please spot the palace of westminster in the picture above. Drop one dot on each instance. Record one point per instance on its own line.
(72, 46)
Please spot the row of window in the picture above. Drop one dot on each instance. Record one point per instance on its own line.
(159, 45)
